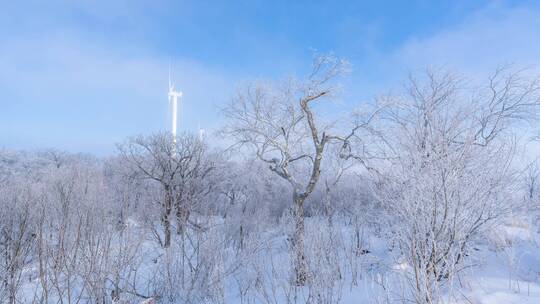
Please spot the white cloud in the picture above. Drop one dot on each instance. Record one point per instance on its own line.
(493, 36)
(88, 95)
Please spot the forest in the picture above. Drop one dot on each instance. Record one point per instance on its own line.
(416, 196)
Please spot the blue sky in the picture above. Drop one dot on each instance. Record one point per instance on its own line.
(83, 75)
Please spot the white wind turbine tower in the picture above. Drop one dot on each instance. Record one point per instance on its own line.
(173, 101)
(202, 133)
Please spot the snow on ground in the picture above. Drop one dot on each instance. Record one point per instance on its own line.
(508, 270)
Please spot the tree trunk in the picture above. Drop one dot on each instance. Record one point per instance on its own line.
(300, 263)
(166, 218)
(182, 216)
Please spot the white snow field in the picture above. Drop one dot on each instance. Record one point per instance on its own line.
(505, 269)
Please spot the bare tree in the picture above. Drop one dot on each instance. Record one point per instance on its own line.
(174, 168)
(449, 174)
(195, 179)
(530, 179)
(56, 157)
(16, 238)
(279, 122)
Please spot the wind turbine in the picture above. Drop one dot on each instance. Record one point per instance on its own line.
(202, 133)
(173, 102)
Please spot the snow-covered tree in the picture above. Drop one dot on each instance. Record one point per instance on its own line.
(279, 123)
(447, 172)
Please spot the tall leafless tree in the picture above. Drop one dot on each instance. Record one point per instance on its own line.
(279, 123)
